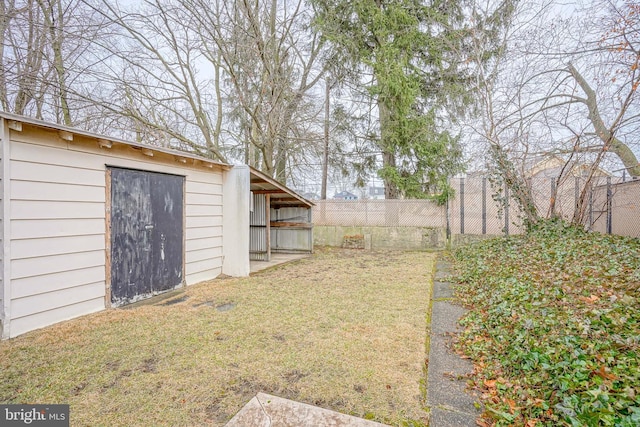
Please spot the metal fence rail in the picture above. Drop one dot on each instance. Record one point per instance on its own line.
(480, 208)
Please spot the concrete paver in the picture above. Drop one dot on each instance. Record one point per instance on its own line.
(276, 259)
(265, 410)
(441, 290)
(449, 402)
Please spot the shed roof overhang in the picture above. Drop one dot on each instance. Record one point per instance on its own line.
(280, 195)
(15, 122)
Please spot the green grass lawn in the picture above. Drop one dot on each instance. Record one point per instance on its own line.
(554, 327)
(344, 330)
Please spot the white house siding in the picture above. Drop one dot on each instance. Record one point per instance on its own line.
(203, 196)
(2, 307)
(58, 226)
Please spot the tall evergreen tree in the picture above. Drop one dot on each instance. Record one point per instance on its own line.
(412, 50)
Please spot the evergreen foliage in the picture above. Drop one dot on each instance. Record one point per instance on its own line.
(412, 49)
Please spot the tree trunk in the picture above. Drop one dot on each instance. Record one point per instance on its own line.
(325, 151)
(388, 155)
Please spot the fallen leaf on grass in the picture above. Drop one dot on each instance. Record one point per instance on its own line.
(512, 405)
(590, 299)
(490, 383)
(602, 373)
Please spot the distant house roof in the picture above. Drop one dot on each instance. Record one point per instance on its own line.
(552, 166)
(345, 195)
(310, 196)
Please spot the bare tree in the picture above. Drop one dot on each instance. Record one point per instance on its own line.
(272, 62)
(554, 94)
(45, 50)
(187, 69)
(155, 77)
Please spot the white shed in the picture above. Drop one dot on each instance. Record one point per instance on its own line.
(89, 222)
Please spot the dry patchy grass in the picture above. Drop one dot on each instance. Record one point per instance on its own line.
(343, 330)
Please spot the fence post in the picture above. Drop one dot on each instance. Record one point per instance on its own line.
(576, 196)
(484, 205)
(590, 208)
(552, 200)
(366, 213)
(448, 223)
(462, 205)
(506, 210)
(609, 225)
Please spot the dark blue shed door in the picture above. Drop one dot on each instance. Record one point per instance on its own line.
(146, 234)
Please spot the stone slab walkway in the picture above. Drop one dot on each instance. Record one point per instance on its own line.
(265, 410)
(449, 402)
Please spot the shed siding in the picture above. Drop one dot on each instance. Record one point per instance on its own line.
(292, 239)
(58, 223)
(2, 314)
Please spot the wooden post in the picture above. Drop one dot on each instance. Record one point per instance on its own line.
(267, 214)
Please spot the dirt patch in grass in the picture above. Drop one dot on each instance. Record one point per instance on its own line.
(344, 330)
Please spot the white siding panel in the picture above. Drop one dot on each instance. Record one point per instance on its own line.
(52, 282)
(30, 305)
(200, 233)
(36, 209)
(29, 267)
(208, 187)
(2, 166)
(42, 154)
(30, 248)
(204, 199)
(29, 171)
(204, 254)
(204, 221)
(206, 178)
(205, 243)
(29, 229)
(203, 275)
(28, 190)
(46, 318)
(203, 210)
(200, 266)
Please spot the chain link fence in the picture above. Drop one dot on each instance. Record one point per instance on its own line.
(615, 208)
(610, 205)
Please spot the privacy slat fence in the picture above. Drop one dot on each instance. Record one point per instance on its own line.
(379, 213)
(478, 208)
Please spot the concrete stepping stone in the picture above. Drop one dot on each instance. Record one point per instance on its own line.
(449, 402)
(265, 410)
